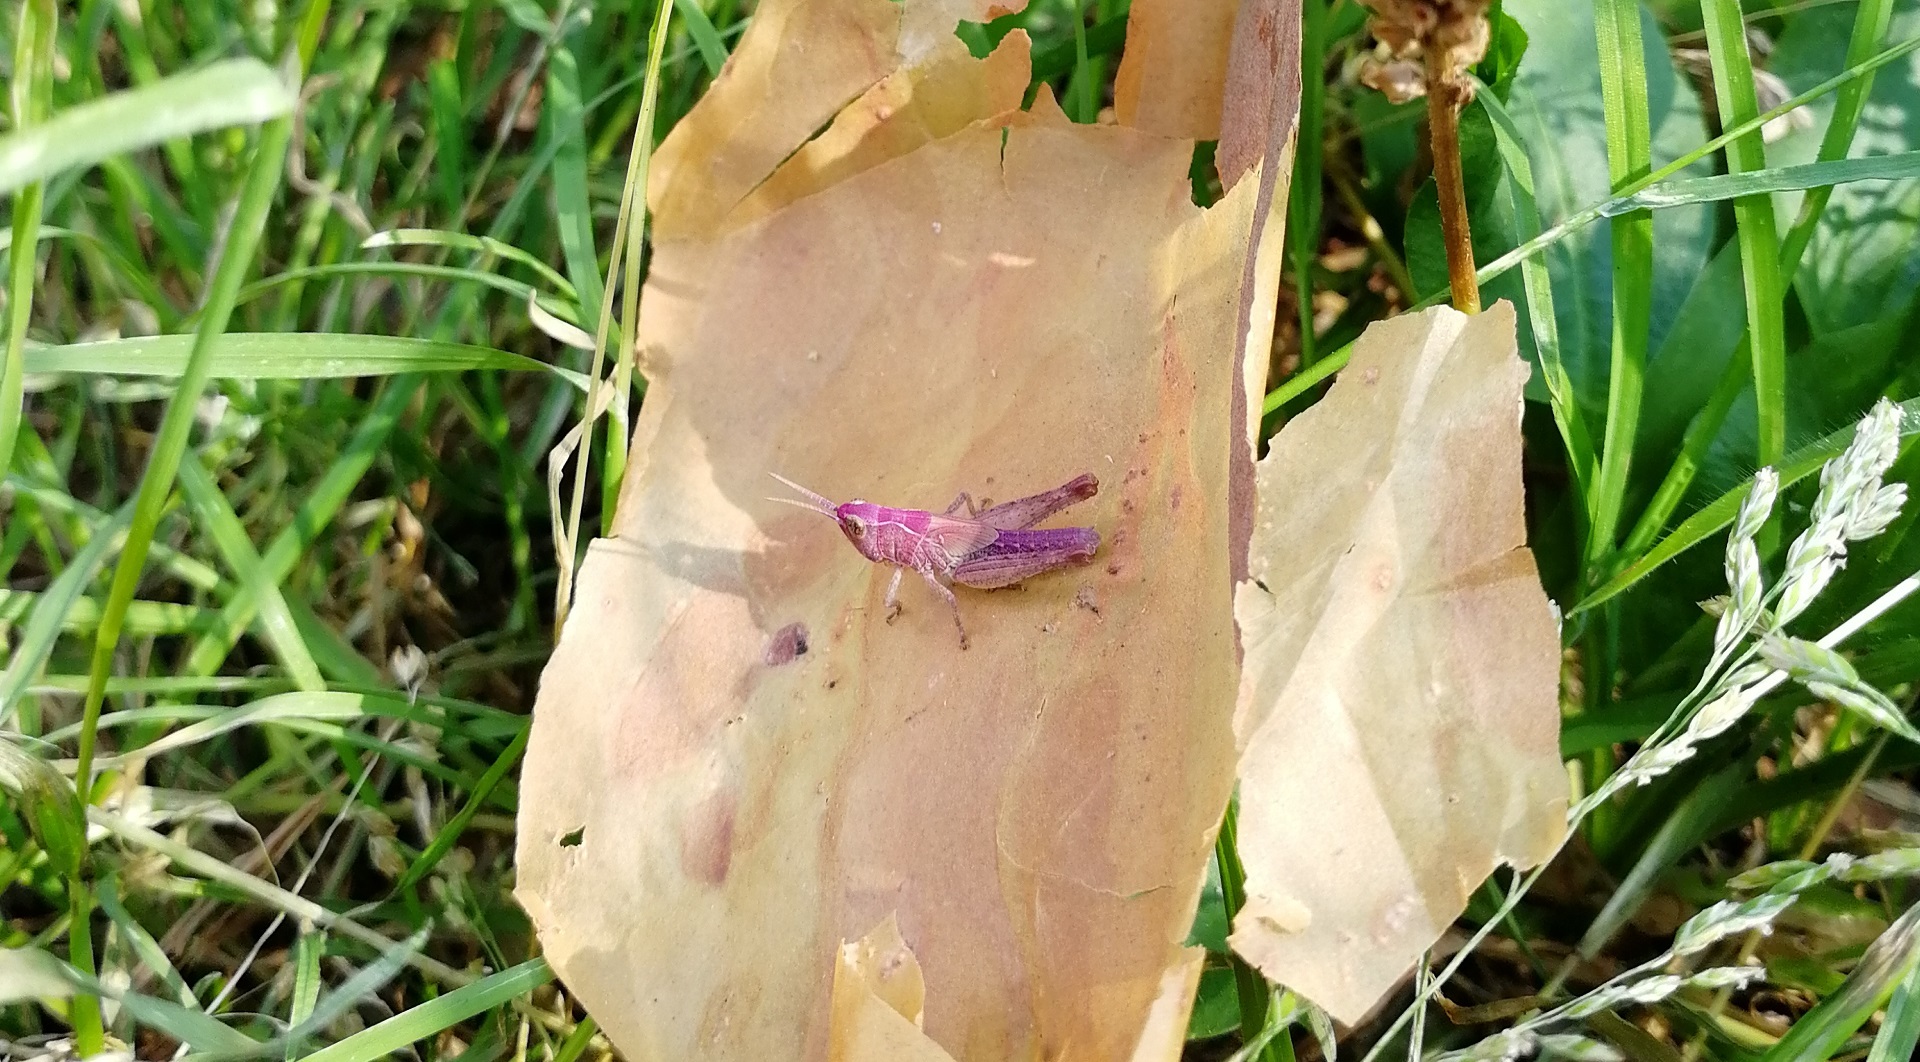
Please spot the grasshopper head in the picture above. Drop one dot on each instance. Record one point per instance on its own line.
(857, 521)
(856, 518)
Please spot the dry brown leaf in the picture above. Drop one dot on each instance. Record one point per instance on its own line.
(1172, 74)
(1400, 656)
(736, 764)
(797, 65)
(879, 996)
(918, 104)
(1261, 114)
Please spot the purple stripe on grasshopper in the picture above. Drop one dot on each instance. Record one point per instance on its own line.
(1021, 554)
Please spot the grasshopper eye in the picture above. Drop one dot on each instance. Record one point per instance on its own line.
(856, 527)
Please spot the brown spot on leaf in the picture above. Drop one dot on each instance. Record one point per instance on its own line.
(788, 644)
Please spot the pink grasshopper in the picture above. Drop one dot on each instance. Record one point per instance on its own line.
(986, 549)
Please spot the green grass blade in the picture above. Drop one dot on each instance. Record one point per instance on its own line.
(1539, 287)
(50, 614)
(1807, 175)
(310, 717)
(565, 123)
(151, 954)
(1755, 225)
(1303, 199)
(208, 721)
(307, 950)
(629, 231)
(1082, 99)
(478, 244)
(635, 193)
(1898, 1034)
(168, 685)
(1583, 218)
(1869, 29)
(227, 93)
(1701, 431)
(437, 1015)
(444, 840)
(32, 99)
(282, 356)
(1301, 382)
(449, 139)
(216, 516)
(32, 973)
(1686, 192)
(363, 983)
(143, 618)
(1060, 58)
(576, 1042)
(1623, 86)
(520, 291)
(1890, 961)
(1253, 993)
(565, 118)
(713, 51)
(1870, 24)
(316, 511)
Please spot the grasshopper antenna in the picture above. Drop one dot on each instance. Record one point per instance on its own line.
(815, 503)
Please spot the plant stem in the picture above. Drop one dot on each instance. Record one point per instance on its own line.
(32, 101)
(163, 464)
(1303, 200)
(89, 1035)
(1445, 97)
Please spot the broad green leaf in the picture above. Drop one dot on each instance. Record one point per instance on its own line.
(1865, 255)
(1556, 103)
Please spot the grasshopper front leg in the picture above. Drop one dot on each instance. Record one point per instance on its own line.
(953, 603)
(893, 595)
(892, 603)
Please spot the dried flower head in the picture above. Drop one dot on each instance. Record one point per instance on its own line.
(1409, 31)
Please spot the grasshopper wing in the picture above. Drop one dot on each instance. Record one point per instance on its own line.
(957, 539)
